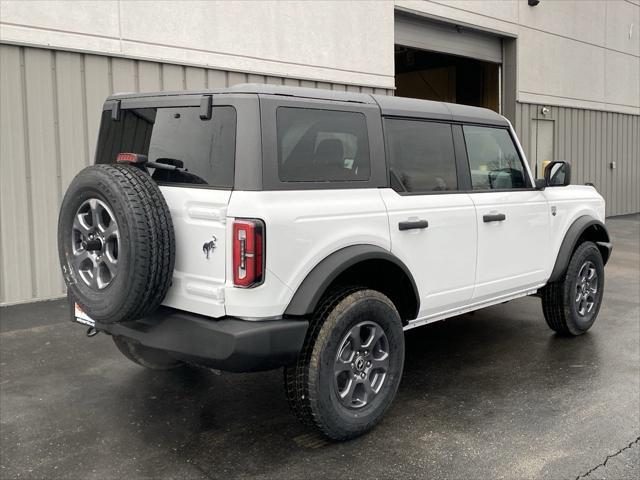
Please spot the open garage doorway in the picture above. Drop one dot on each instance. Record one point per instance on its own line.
(447, 78)
(448, 62)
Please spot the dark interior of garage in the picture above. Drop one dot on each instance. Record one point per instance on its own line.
(446, 78)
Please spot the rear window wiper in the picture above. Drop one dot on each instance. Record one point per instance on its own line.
(168, 164)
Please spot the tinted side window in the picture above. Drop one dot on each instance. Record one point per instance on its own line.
(421, 156)
(322, 145)
(176, 136)
(493, 159)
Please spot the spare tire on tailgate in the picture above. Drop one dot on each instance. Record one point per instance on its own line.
(116, 242)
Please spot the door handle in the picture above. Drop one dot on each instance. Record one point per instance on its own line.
(413, 224)
(494, 217)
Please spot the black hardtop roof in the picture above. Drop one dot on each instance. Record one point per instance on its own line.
(389, 105)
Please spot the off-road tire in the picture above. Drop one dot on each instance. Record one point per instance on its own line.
(308, 383)
(559, 298)
(147, 357)
(146, 253)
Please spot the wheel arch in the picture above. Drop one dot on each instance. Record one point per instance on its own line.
(367, 265)
(584, 228)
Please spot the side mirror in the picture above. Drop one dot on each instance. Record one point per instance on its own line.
(557, 174)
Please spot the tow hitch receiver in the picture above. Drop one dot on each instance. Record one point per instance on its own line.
(92, 332)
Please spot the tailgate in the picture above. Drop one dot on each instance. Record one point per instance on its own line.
(199, 221)
(201, 146)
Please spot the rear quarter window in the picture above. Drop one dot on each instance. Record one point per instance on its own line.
(322, 145)
(175, 136)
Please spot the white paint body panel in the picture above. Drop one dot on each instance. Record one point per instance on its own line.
(459, 262)
(441, 257)
(512, 254)
(198, 216)
(302, 228)
(570, 203)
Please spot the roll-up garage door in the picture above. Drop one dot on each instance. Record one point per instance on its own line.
(424, 34)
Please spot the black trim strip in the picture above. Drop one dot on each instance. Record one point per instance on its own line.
(575, 231)
(315, 284)
(462, 160)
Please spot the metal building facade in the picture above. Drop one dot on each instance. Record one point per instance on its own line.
(51, 104)
(579, 61)
(591, 140)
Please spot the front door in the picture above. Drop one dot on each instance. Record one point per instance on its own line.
(512, 216)
(432, 224)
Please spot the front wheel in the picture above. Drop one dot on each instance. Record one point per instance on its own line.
(571, 304)
(350, 367)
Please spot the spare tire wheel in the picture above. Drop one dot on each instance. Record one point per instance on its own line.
(116, 242)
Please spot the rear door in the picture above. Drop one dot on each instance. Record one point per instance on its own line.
(512, 216)
(197, 195)
(432, 222)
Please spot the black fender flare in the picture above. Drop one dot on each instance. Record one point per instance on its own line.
(317, 281)
(574, 233)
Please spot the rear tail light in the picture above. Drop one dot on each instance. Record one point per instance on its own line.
(248, 252)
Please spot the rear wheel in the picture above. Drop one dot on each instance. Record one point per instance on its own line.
(571, 304)
(147, 357)
(351, 364)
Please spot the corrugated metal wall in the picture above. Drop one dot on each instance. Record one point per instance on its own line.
(51, 103)
(591, 140)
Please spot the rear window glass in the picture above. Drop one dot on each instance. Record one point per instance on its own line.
(421, 157)
(322, 145)
(175, 136)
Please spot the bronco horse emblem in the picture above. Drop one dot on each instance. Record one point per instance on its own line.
(209, 246)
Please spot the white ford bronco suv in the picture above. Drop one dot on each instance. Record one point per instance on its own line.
(258, 227)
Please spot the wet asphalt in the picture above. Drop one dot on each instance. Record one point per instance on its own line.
(493, 394)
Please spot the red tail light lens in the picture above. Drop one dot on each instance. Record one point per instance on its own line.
(248, 252)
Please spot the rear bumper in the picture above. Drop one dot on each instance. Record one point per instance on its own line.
(227, 344)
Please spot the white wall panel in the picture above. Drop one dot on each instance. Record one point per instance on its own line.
(620, 16)
(559, 67)
(622, 79)
(96, 18)
(267, 37)
(574, 19)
